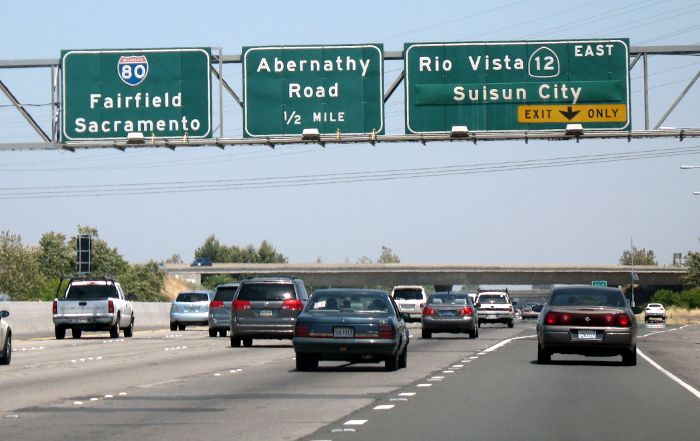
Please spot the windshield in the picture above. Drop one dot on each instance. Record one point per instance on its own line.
(587, 298)
(408, 294)
(361, 303)
(266, 292)
(91, 292)
(492, 298)
(225, 293)
(188, 297)
(447, 299)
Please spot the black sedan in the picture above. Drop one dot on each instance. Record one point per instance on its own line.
(588, 321)
(354, 325)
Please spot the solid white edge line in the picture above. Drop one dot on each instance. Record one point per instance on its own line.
(505, 342)
(688, 387)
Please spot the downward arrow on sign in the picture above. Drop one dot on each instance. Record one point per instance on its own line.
(569, 114)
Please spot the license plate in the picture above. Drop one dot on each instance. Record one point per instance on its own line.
(586, 335)
(409, 307)
(343, 332)
(447, 313)
(491, 317)
(265, 313)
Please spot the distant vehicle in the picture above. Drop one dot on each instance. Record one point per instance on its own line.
(654, 311)
(220, 309)
(190, 308)
(531, 310)
(93, 304)
(495, 307)
(201, 261)
(589, 321)
(5, 339)
(266, 307)
(354, 325)
(410, 299)
(5, 298)
(450, 312)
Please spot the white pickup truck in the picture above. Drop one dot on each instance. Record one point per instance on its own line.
(93, 304)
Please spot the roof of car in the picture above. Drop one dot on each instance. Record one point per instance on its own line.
(585, 288)
(269, 279)
(408, 287)
(350, 291)
(228, 284)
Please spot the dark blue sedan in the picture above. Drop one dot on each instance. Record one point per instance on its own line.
(354, 325)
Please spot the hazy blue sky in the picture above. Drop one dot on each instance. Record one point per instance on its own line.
(581, 213)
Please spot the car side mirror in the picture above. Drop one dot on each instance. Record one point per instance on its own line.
(406, 317)
(477, 304)
(637, 309)
(4, 314)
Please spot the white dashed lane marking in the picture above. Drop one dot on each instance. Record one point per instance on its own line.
(354, 422)
(384, 407)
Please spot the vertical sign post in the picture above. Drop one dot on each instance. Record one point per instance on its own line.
(84, 247)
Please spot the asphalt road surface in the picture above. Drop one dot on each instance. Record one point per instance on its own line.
(185, 385)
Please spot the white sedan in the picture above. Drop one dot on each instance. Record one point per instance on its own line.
(654, 311)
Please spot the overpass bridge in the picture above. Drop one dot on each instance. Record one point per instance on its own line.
(321, 275)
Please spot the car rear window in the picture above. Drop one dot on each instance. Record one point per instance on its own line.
(187, 297)
(266, 292)
(492, 298)
(654, 305)
(225, 293)
(446, 299)
(587, 298)
(91, 292)
(408, 294)
(366, 303)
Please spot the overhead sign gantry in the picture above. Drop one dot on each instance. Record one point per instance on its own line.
(159, 93)
(333, 89)
(517, 86)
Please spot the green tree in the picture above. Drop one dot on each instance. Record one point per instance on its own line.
(638, 256)
(364, 260)
(175, 259)
(268, 254)
(692, 277)
(212, 249)
(145, 282)
(265, 253)
(388, 256)
(56, 256)
(20, 274)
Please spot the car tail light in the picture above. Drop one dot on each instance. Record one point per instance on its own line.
(216, 304)
(239, 305)
(301, 330)
(386, 331)
(553, 318)
(466, 311)
(428, 311)
(110, 307)
(55, 306)
(510, 308)
(623, 320)
(609, 319)
(293, 304)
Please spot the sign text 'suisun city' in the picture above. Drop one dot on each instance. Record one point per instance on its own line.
(513, 86)
(330, 88)
(162, 93)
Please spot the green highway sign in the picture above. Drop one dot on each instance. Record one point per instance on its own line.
(335, 89)
(600, 283)
(161, 93)
(517, 86)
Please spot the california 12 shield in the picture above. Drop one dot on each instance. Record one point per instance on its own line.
(132, 69)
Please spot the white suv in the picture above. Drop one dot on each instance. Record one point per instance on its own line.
(410, 299)
(495, 307)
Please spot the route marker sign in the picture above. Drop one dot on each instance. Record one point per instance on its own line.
(600, 283)
(162, 93)
(517, 86)
(330, 88)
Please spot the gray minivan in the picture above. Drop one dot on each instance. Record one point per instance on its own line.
(220, 309)
(266, 307)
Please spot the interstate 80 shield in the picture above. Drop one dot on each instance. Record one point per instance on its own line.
(132, 69)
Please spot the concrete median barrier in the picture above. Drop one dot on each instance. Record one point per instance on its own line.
(34, 319)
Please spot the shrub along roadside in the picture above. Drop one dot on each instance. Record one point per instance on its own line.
(688, 299)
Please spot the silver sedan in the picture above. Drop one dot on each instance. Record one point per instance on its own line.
(5, 339)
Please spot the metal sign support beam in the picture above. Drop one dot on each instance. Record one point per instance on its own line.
(20, 108)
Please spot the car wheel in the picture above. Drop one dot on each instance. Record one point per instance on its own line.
(543, 355)
(181, 327)
(392, 362)
(222, 333)
(426, 334)
(473, 333)
(60, 332)
(129, 330)
(306, 362)
(76, 333)
(403, 358)
(212, 332)
(479, 325)
(6, 354)
(510, 323)
(247, 342)
(235, 342)
(629, 358)
(173, 326)
(114, 330)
